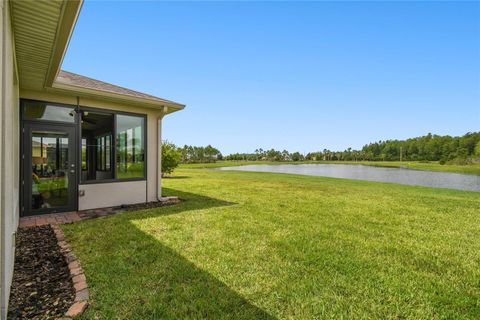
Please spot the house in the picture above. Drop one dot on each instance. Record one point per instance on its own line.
(68, 142)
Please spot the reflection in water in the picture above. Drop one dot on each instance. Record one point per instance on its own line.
(361, 172)
(49, 169)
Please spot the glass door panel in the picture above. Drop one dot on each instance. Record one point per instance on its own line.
(49, 169)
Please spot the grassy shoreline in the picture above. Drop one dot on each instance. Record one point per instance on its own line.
(415, 165)
(248, 245)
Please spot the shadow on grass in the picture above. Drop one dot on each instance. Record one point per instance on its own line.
(133, 275)
(189, 201)
(196, 200)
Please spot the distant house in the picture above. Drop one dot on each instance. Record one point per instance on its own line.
(68, 142)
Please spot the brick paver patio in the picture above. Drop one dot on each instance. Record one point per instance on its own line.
(53, 218)
(65, 217)
(74, 216)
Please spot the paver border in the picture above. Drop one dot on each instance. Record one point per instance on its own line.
(77, 275)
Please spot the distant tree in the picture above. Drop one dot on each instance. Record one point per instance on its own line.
(296, 156)
(193, 154)
(211, 154)
(273, 155)
(285, 156)
(477, 149)
(171, 156)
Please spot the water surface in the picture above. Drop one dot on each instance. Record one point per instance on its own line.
(361, 172)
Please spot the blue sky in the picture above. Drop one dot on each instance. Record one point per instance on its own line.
(301, 76)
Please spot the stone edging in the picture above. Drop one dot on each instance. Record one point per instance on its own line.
(76, 272)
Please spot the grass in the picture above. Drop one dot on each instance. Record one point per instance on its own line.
(246, 245)
(429, 166)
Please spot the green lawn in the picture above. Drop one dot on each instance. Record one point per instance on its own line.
(245, 245)
(429, 166)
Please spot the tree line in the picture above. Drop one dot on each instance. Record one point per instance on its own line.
(267, 155)
(172, 155)
(193, 154)
(431, 147)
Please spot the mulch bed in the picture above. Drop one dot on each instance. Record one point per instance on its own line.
(41, 287)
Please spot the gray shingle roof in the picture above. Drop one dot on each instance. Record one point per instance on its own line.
(73, 79)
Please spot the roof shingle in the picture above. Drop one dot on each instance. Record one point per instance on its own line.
(73, 79)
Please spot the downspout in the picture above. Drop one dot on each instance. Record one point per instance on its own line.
(159, 152)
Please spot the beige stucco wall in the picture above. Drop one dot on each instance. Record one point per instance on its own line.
(9, 155)
(112, 194)
(149, 187)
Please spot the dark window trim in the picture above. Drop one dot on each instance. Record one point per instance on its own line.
(78, 124)
(25, 135)
(23, 149)
(114, 143)
(56, 104)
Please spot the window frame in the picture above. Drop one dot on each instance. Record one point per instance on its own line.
(23, 117)
(104, 149)
(113, 163)
(78, 131)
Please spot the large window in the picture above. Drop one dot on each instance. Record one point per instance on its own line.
(130, 147)
(112, 146)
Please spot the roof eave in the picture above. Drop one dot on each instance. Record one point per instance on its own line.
(70, 13)
(115, 97)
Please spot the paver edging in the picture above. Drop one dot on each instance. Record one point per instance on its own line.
(77, 275)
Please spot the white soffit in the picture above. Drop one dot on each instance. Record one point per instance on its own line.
(41, 32)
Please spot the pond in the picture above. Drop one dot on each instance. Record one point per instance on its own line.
(382, 174)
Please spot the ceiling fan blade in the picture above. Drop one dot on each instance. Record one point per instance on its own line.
(91, 121)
